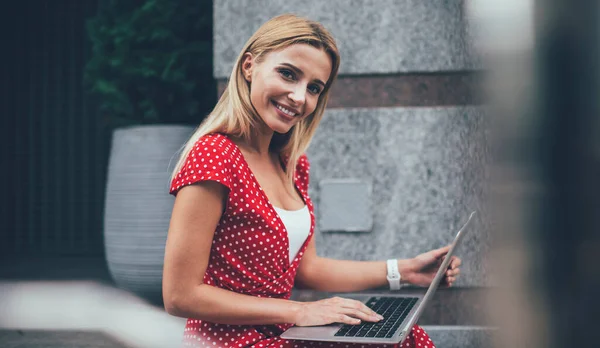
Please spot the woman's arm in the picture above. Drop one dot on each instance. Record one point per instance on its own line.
(196, 213)
(332, 275)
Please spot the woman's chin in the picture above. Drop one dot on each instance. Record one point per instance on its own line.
(281, 130)
(281, 127)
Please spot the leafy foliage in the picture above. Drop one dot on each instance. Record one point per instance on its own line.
(151, 61)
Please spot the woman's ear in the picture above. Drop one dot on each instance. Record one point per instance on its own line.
(247, 65)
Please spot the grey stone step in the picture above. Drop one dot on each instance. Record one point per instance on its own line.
(461, 336)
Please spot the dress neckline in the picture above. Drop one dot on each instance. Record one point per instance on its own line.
(266, 198)
(281, 161)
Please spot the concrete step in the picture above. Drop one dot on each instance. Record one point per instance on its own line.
(461, 336)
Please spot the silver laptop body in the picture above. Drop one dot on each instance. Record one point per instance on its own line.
(327, 332)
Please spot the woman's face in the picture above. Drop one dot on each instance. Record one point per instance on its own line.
(285, 86)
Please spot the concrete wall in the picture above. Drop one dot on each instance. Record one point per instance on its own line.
(374, 36)
(425, 167)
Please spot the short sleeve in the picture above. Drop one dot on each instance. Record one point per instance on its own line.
(208, 160)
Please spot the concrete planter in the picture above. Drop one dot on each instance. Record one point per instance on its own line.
(138, 206)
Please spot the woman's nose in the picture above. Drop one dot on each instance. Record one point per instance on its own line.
(298, 94)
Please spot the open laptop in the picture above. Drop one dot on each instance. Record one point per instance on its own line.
(400, 311)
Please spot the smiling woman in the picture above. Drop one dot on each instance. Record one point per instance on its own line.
(285, 85)
(241, 232)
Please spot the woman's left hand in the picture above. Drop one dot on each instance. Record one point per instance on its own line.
(421, 270)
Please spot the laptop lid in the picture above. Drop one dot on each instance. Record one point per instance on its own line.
(440, 273)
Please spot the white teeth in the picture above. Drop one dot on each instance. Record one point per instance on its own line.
(285, 111)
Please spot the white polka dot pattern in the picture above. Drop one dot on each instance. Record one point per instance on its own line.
(250, 250)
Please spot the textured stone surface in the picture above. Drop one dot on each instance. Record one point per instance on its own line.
(374, 36)
(426, 167)
(462, 336)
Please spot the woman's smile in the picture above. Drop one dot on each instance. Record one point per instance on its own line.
(285, 112)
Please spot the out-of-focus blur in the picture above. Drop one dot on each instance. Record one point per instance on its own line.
(543, 88)
(87, 313)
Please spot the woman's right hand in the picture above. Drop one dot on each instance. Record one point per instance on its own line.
(334, 310)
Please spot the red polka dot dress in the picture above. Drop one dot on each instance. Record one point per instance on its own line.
(250, 250)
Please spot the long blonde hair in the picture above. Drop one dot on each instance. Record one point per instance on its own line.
(234, 113)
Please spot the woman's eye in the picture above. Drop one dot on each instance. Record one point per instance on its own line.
(286, 74)
(315, 89)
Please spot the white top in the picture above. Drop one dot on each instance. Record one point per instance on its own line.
(297, 224)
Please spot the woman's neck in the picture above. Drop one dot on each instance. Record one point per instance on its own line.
(258, 144)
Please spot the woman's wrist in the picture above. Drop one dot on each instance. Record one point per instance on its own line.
(293, 311)
(405, 269)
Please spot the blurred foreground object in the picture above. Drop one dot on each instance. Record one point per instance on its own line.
(45, 313)
(568, 230)
(545, 180)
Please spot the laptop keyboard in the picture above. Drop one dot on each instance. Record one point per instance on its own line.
(393, 309)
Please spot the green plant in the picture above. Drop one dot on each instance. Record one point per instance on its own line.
(151, 61)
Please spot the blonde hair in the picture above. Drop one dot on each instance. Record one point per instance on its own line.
(234, 113)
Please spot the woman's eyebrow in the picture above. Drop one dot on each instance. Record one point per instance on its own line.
(301, 72)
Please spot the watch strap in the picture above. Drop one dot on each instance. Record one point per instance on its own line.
(393, 274)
